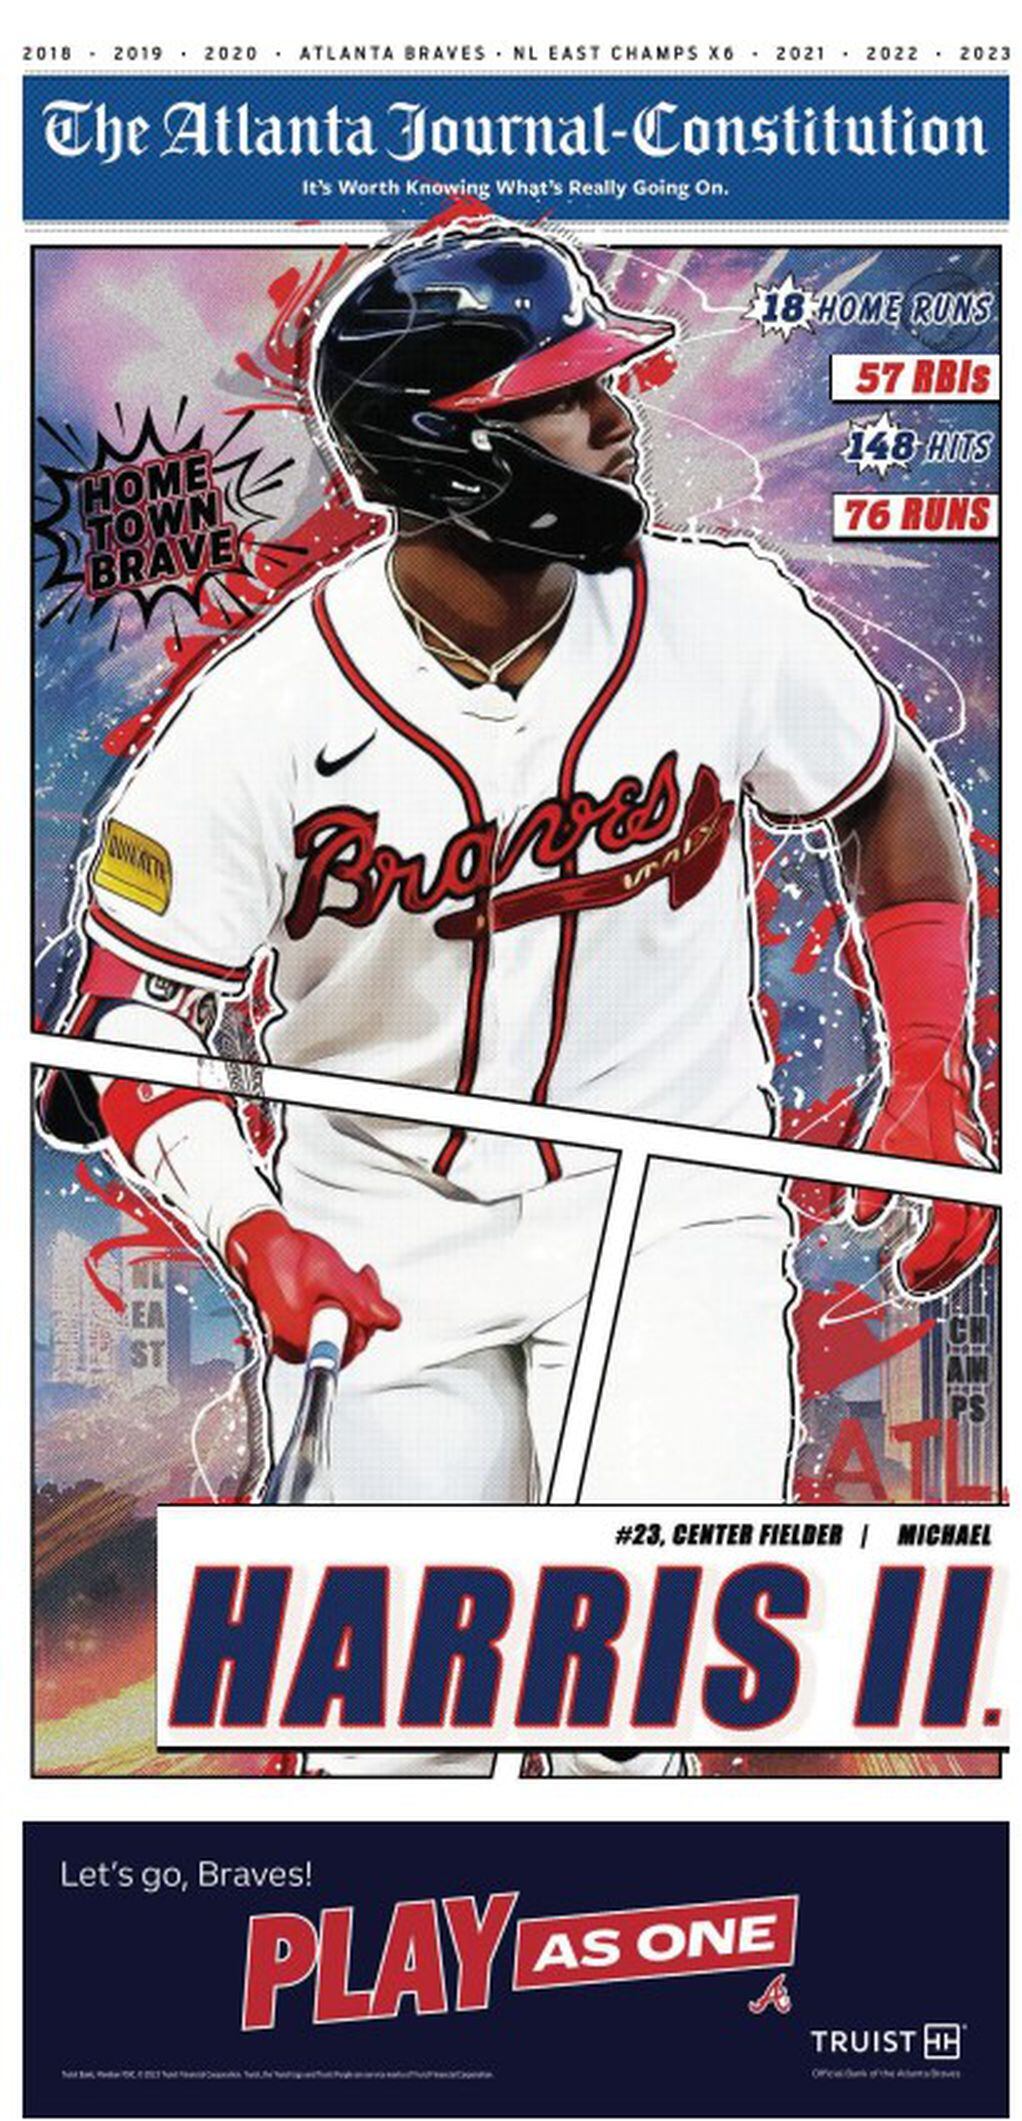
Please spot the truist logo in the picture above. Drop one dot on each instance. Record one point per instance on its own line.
(340, 847)
(864, 2039)
(936, 2041)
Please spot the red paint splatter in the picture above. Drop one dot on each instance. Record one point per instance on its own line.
(987, 1043)
(815, 940)
(258, 1127)
(762, 849)
(158, 1236)
(831, 1119)
(770, 1013)
(463, 207)
(815, 1201)
(833, 1348)
(646, 375)
(854, 961)
(987, 1020)
(990, 1098)
(286, 353)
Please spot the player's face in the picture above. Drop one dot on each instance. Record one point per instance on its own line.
(587, 426)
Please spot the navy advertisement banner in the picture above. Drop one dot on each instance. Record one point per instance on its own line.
(628, 147)
(516, 1969)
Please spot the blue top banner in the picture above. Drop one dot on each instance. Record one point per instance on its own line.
(630, 147)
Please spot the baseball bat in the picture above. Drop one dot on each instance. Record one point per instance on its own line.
(304, 1463)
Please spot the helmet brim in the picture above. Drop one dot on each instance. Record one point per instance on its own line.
(593, 351)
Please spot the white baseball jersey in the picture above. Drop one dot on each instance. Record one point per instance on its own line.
(541, 897)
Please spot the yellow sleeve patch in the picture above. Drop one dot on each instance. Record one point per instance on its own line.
(135, 867)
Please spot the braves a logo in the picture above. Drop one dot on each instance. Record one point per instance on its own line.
(340, 846)
(775, 1997)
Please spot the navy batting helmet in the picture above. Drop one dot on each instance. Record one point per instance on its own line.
(422, 355)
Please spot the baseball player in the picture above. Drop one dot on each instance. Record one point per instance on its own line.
(481, 794)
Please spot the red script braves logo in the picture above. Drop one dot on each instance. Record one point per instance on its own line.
(340, 846)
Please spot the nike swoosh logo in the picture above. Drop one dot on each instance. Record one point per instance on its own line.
(328, 766)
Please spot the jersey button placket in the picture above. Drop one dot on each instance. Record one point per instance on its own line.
(507, 744)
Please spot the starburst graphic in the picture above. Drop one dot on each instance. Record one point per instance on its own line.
(132, 517)
(874, 445)
(789, 306)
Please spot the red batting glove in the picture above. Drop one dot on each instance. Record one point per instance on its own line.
(290, 1275)
(920, 956)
